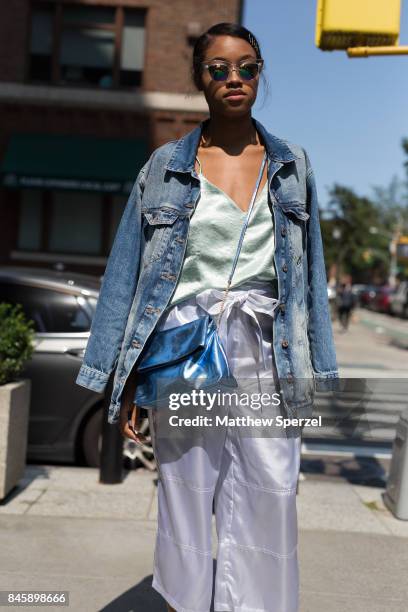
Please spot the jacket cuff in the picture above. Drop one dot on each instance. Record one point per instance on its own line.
(327, 382)
(92, 379)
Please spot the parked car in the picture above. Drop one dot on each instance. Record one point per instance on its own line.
(399, 300)
(381, 302)
(65, 419)
(358, 290)
(367, 295)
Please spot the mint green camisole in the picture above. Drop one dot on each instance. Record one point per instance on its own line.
(215, 227)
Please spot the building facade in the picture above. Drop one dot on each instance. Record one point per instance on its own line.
(88, 88)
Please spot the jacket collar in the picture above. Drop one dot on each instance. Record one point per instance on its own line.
(183, 155)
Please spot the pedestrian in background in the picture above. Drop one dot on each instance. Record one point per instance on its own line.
(346, 301)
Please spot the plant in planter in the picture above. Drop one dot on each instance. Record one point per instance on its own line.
(17, 336)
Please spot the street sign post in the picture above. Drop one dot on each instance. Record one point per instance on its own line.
(396, 494)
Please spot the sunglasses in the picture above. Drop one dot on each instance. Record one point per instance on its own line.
(220, 71)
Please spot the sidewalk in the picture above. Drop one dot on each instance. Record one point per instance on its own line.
(62, 530)
(367, 349)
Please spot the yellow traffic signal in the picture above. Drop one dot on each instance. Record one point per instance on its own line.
(342, 24)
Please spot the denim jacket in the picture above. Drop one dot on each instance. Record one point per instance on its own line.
(147, 257)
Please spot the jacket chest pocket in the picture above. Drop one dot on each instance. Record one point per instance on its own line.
(157, 227)
(296, 218)
(289, 186)
(295, 210)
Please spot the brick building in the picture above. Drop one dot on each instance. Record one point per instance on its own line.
(88, 88)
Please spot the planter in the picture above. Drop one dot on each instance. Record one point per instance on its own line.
(14, 415)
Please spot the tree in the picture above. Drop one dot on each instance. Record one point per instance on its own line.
(349, 240)
(357, 231)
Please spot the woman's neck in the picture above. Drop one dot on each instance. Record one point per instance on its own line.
(232, 135)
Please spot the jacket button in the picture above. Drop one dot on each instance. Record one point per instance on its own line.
(282, 307)
(136, 344)
(283, 230)
(285, 343)
(285, 268)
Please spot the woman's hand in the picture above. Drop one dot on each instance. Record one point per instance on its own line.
(129, 418)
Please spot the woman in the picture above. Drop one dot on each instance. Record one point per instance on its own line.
(169, 264)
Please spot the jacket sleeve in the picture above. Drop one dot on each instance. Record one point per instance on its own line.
(115, 296)
(319, 326)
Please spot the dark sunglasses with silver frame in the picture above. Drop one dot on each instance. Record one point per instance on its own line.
(221, 70)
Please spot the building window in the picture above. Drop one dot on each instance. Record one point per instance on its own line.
(132, 51)
(76, 221)
(118, 208)
(70, 222)
(31, 212)
(41, 44)
(83, 45)
(87, 47)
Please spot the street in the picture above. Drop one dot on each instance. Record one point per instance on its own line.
(373, 346)
(373, 367)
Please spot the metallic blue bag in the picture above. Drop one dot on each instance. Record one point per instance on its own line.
(180, 359)
(189, 356)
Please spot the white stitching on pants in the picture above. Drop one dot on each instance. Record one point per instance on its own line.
(240, 609)
(261, 488)
(186, 546)
(192, 487)
(229, 541)
(267, 551)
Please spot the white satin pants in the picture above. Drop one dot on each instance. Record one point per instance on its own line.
(251, 480)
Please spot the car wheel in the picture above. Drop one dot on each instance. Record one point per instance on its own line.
(134, 455)
(92, 439)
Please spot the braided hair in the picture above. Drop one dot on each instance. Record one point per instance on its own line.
(203, 42)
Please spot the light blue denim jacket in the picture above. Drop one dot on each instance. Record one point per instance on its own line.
(147, 256)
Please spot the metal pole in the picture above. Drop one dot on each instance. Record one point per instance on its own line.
(111, 466)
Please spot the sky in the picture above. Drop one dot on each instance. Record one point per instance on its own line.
(350, 114)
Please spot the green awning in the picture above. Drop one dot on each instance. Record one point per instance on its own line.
(48, 161)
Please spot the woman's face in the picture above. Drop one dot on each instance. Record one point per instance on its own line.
(219, 94)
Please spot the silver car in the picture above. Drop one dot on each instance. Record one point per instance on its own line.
(65, 419)
(399, 301)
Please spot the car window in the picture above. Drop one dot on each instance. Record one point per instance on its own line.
(51, 310)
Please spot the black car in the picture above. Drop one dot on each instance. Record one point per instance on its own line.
(65, 419)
